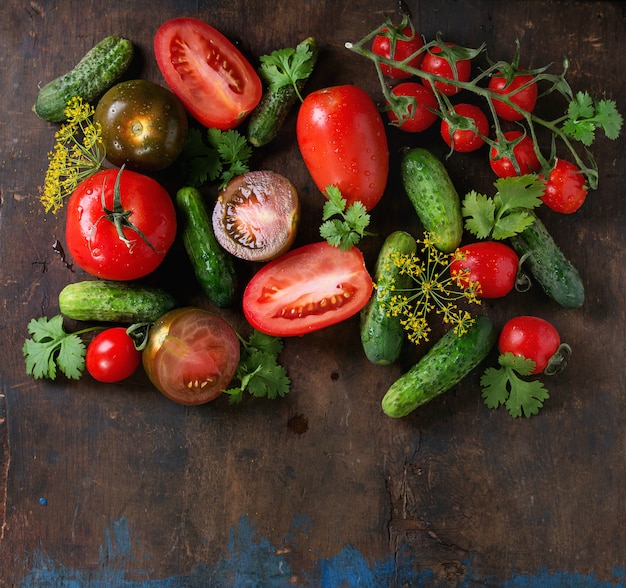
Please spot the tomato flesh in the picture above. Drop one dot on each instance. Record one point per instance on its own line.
(210, 76)
(191, 355)
(307, 289)
(111, 356)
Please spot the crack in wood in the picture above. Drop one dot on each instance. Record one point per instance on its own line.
(4, 463)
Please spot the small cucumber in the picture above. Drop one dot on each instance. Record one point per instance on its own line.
(382, 336)
(434, 197)
(551, 269)
(446, 363)
(94, 74)
(268, 117)
(112, 301)
(213, 266)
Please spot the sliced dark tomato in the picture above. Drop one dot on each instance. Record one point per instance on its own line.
(307, 289)
(210, 76)
(256, 215)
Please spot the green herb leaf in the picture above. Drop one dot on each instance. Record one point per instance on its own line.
(480, 214)
(285, 67)
(348, 231)
(234, 153)
(584, 117)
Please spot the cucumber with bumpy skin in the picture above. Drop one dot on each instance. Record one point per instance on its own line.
(445, 364)
(112, 301)
(94, 74)
(434, 197)
(555, 273)
(382, 336)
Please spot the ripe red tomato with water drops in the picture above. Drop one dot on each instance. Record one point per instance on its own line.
(307, 289)
(120, 224)
(191, 355)
(112, 356)
(492, 264)
(566, 188)
(531, 337)
(436, 63)
(523, 152)
(465, 140)
(521, 90)
(342, 140)
(210, 76)
(420, 116)
(398, 44)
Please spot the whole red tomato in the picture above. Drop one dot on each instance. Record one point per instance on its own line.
(120, 224)
(463, 139)
(440, 65)
(112, 356)
(524, 154)
(521, 90)
(566, 189)
(342, 139)
(398, 44)
(422, 115)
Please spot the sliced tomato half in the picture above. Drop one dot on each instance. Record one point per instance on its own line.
(216, 83)
(307, 289)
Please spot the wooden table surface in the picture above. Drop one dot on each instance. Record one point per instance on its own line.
(114, 485)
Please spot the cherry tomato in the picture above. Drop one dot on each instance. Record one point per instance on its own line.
(439, 65)
(112, 356)
(522, 91)
(191, 355)
(530, 337)
(566, 189)
(423, 115)
(342, 139)
(398, 45)
(147, 220)
(490, 263)
(524, 153)
(144, 125)
(256, 215)
(215, 82)
(307, 289)
(462, 139)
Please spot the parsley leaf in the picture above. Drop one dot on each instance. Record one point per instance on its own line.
(504, 386)
(355, 219)
(584, 117)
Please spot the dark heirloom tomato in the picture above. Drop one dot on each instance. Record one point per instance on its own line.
(144, 125)
(307, 289)
(256, 215)
(398, 49)
(522, 91)
(146, 217)
(191, 355)
(342, 139)
(566, 189)
(214, 81)
(111, 355)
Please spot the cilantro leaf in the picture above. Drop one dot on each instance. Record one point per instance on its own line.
(584, 117)
(351, 228)
(480, 214)
(234, 152)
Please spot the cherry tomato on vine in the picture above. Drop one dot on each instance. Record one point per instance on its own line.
(437, 64)
(398, 45)
(524, 153)
(423, 116)
(210, 76)
(566, 189)
(342, 139)
(191, 355)
(490, 263)
(120, 224)
(112, 356)
(307, 289)
(522, 91)
(466, 140)
(530, 337)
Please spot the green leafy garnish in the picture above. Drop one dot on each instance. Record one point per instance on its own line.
(51, 347)
(350, 229)
(585, 116)
(286, 67)
(504, 386)
(258, 370)
(506, 214)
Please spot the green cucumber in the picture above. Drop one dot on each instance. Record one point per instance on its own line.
(212, 265)
(555, 273)
(268, 117)
(94, 74)
(382, 336)
(434, 197)
(112, 301)
(445, 364)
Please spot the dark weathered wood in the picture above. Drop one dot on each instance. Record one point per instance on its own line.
(320, 488)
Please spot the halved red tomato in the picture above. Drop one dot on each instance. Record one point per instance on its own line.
(307, 289)
(210, 76)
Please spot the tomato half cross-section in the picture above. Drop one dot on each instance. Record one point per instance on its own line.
(210, 76)
(307, 289)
